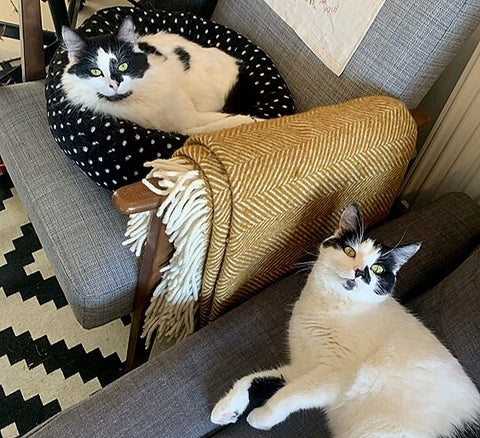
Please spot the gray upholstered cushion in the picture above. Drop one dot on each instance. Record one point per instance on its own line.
(405, 50)
(173, 394)
(74, 218)
(449, 229)
(452, 311)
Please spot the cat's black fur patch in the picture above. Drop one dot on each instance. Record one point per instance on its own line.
(364, 274)
(137, 62)
(387, 279)
(333, 242)
(466, 431)
(347, 238)
(261, 389)
(149, 49)
(242, 97)
(116, 75)
(183, 56)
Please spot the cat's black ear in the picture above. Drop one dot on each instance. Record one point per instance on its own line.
(73, 42)
(350, 221)
(401, 254)
(126, 31)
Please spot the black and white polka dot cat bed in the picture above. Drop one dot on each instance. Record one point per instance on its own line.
(112, 151)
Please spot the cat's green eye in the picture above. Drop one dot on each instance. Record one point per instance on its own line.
(123, 67)
(96, 72)
(349, 251)
(377, 269)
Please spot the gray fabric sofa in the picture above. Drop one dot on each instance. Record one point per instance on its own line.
(405, 50)
(172, 395)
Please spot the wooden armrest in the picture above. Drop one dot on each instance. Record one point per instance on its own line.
(421, 117)
(136, 198)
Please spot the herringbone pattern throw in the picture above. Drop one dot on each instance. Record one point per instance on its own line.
(276, 187)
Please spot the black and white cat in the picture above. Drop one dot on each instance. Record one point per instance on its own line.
(354, 351)
(160, 81)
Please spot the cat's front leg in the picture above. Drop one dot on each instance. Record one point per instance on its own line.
(224, 121)
(311, 390)
(245, 392)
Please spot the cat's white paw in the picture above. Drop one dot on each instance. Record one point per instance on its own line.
(230, 407)
(262, 418)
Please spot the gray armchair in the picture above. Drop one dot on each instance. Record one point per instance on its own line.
(403, 53)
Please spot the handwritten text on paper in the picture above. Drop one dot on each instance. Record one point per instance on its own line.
(328, 6)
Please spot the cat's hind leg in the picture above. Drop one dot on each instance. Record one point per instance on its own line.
(311, 390)
(247, 393)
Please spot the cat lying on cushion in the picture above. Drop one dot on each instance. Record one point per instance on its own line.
(160, 81)
(357, 353)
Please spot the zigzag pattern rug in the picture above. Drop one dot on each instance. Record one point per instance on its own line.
(48, 362)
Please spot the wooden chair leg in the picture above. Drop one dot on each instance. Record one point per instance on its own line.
(156, 253)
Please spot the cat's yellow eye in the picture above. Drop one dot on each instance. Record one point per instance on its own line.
(377, 269)
(123, 66)
(96, 72)
(349, 251)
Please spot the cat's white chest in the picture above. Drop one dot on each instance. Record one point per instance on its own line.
(320, 335)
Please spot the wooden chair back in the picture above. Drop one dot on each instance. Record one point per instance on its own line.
(31, 40)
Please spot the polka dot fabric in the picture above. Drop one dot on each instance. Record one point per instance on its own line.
(112, 151)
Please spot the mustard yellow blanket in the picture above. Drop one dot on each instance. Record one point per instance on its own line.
(245, 204)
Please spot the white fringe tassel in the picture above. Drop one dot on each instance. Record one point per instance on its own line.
(185, 214)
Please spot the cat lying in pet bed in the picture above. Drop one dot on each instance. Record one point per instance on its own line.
(376, 370)
(130, 85)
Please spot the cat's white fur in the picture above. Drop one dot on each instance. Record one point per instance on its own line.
(167, 98)
(376, 369)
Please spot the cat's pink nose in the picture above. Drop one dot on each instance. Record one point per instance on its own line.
(113, 85)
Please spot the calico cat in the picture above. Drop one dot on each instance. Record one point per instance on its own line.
(160, 81)
(357, 353)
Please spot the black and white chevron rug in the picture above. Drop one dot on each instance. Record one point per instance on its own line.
(48, 362)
